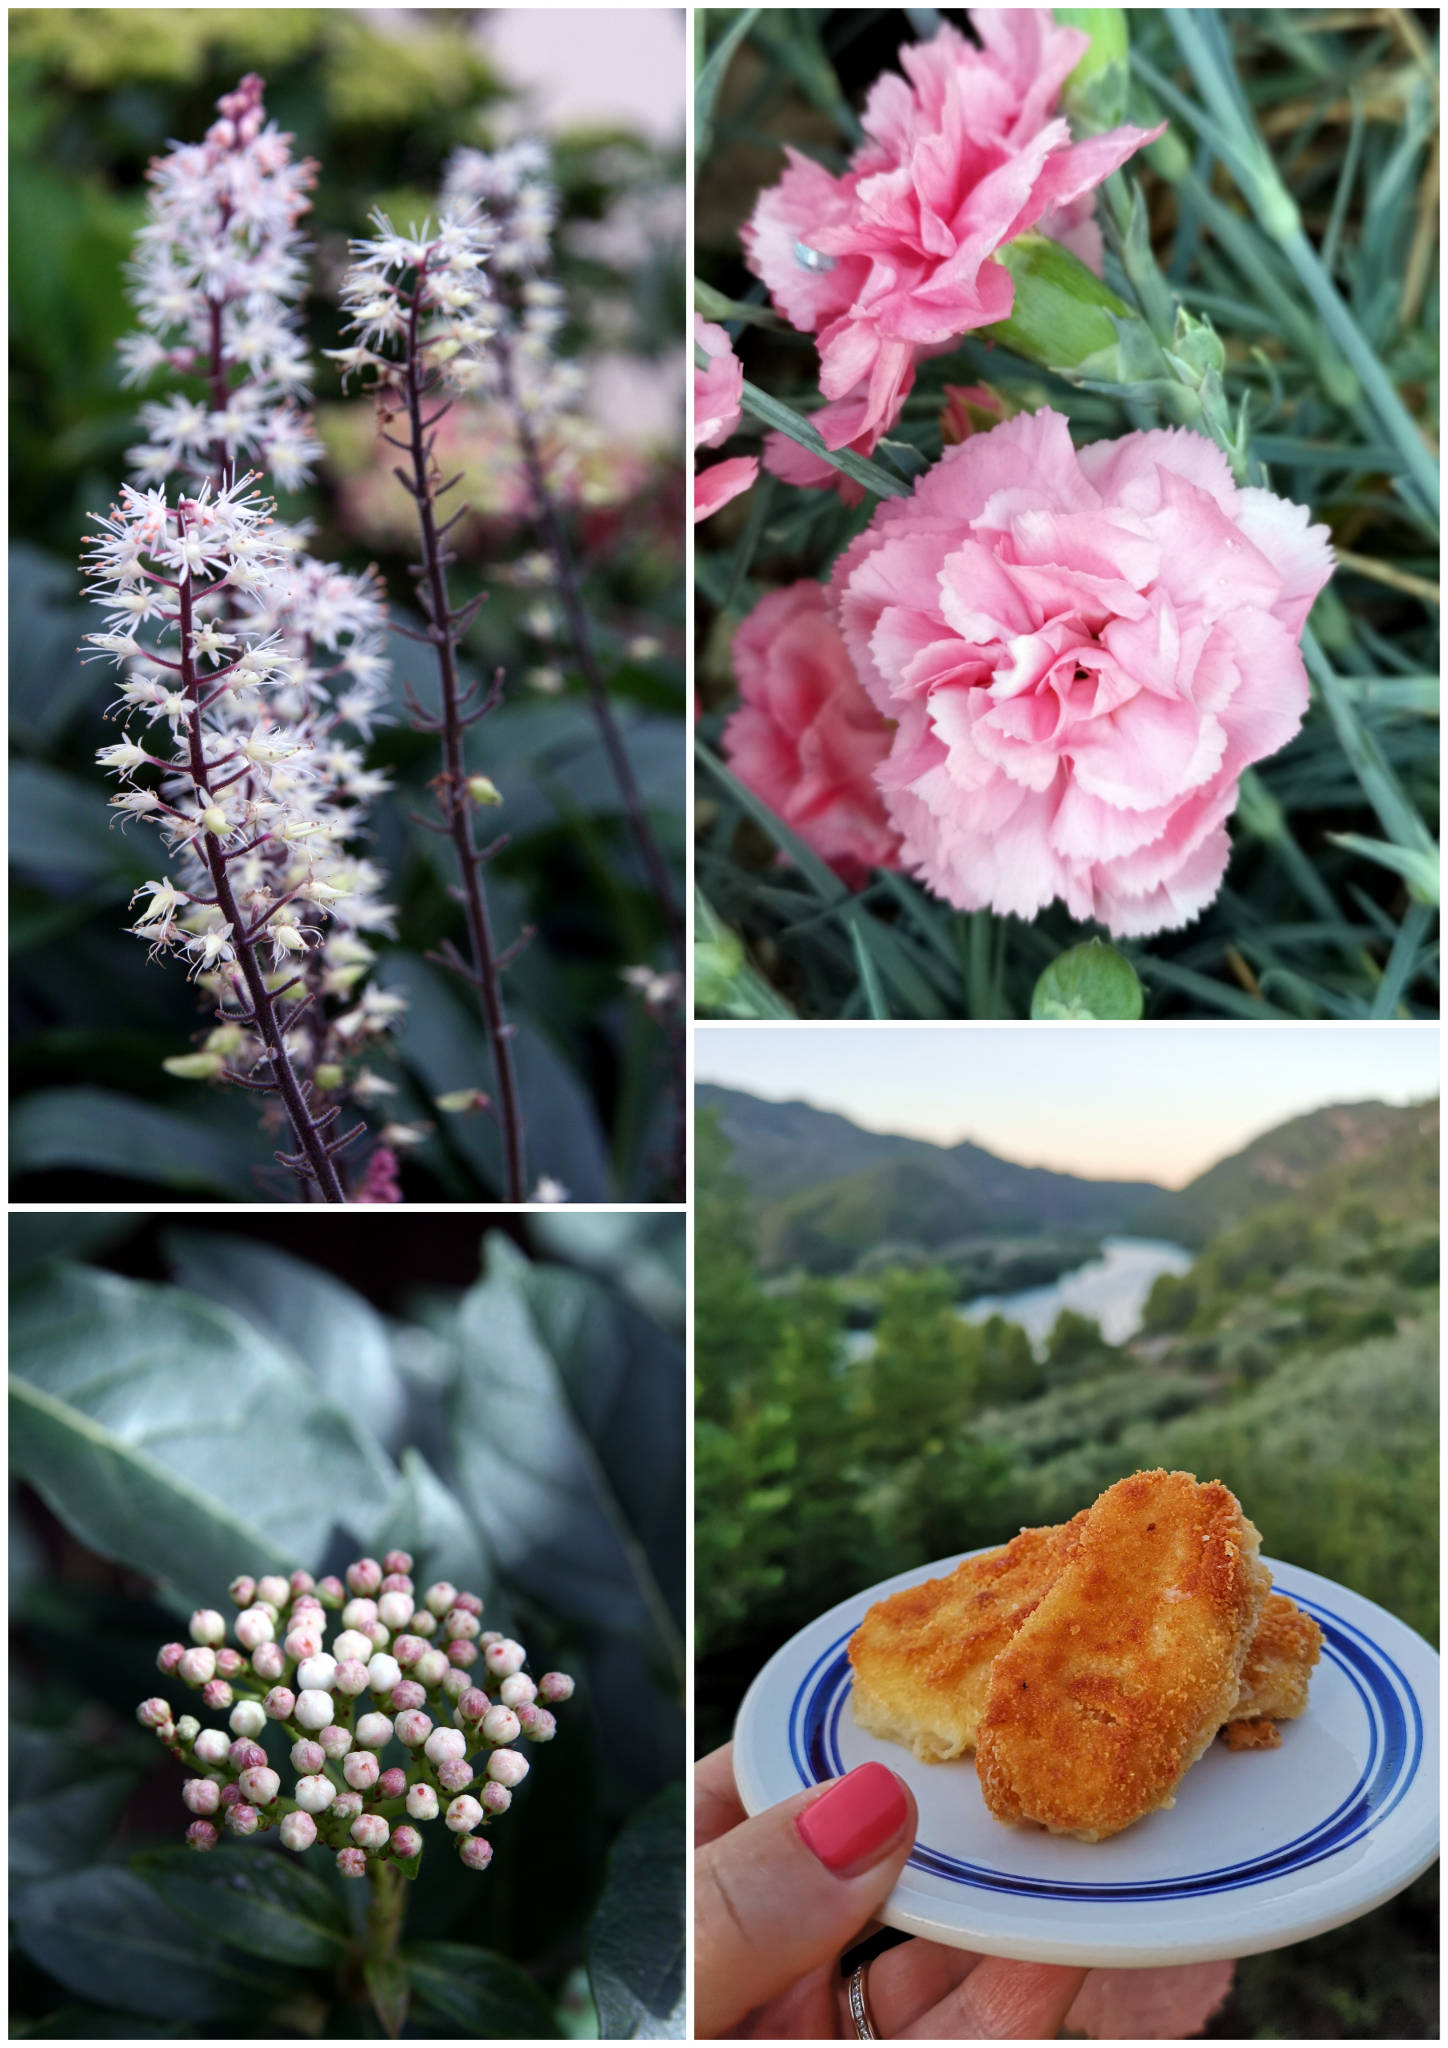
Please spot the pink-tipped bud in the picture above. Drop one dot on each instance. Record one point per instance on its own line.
(307, 1607)
(554, 1686)
(469, 1603)
(331, 1592)
(454, 1684)
(374, 1731)
(197, 1666)
(407, 1693)
(431, 1668)
(202, 1795)
(407, 1649)
(395, 1609)
(371, 1831)
(494, 1798)
(507, 1767)
(398, 1561)
(542, 1727)
(242, 1591)
(518, 1691)
(350, 1678)
(245, 1755)
(279, 1704)
(392, 1784)
(304, 1641)
(314, 1794)
(444, 1744)
(242, 1819)
(153, 1713)
(423, 1623)
(359, 1615)
(378, 1636)
(302, 1582)
(336, 1741)
(273, 1590)
(412, 1728)
(476, 1851)
(463, 1814)
(455, 1775)
(527, 1715)
(422, 1802)
(406, 1843)
(254, 1627)
(201, 1835)
(231, 1664)
(397, 1582)
(309, 1759)
(169, 1656)
(351, 1863)
(505, 1657)
(298, 1831)
(260, 1785)
(500, 1724)
(217, 1696)
(459, 1624)
(365, 1576)
(347, 1805)
(231, 1795)
(462, 1654)
(440, 1597)
(474, 1704)
(207, 1626)
(268, 1661)
(212, 1747)
(361, 1770)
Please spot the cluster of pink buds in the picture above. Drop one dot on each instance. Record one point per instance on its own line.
(417, 1671)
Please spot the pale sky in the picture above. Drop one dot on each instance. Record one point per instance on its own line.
(594, 66)
(1159, 1102)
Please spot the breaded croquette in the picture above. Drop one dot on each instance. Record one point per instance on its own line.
(1114, 1685)
(922, 1659)
(1279, 1665)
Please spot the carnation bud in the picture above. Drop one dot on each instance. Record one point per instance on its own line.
(365, 1576)
(273, 1590)
(443, 1744)
(370, 1831)
(217, 1696)
(308, 1758)
(519, 1691)
(494, 1798)
(267, 1661)
(259, 1785)
(398, 1561)
(211, 1747)
(1061, 315)
(383, 1672)
(298, 1831)
(169, 1656)
(331, 1592)
(197, 1667)
(455, 1775)
(422, 1802)
(407, 1693)
(201, 1835)
(439, 1598)
(476, 1851)
(153, 1713)
(244, 1754)
(507, 1767)
(248, 1717)
(242, 1591)
(207, 1626)
(392, 1784)
(463, 1815)
(553, 1686)
(971, 409)
(395, 1609)
(314, 1794)
(202, 1795)
(314, 1709)
(500, 1724)
(242, 1819)
(406, 1843)
(361, 1770)
(351, 1863)
(412, 1728)
(280, 1703)
(505, 1657)
(316, 1672)
(336, 1741)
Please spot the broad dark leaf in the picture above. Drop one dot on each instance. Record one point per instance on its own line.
(262, 1900)
(485, 1996)
(390, 1991)
(64, 1802)
(99, 1132)
(425, 1518)
(636, 1939)
(60, 831)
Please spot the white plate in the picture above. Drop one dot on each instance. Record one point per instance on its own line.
(1262, 1847)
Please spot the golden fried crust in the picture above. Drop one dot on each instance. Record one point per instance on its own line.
(922, 1658)
(1279, 1665)
(1113, 1686)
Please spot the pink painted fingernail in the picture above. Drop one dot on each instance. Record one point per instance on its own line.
(856, 1820)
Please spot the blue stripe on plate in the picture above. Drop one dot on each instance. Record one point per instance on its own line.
(1395, 1748)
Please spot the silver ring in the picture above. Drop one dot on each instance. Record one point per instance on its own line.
(860, 2007)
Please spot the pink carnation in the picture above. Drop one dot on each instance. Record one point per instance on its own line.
(806, 737)
(896, 258)
(1083, 651)
(716, 415)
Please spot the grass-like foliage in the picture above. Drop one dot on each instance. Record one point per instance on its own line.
(1291, 206)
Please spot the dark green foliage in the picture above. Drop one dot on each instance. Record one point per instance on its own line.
(1171, 1303)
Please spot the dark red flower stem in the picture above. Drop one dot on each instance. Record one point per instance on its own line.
(453, 798)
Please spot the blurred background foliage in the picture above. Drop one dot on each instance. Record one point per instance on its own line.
(380, 101)
(517, 1421)
(1297, 1360)
(1329, 907)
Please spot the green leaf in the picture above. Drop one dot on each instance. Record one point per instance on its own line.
(49, 683)
(1419, 869)
(772, 412)
(424, 1517)
(105, 1930)
(62, 831)
(123, 1397)
(252, 1898)
(484, 1995)
(1092, 980)
(636, 1937)
(389, 1989)
(333, 1332)
(715, 306)
(63, 1805)
(99, 1132)
(711, 77)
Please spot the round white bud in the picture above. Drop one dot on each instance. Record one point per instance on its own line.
(248, 1717)
(463, 1814)
(445, 1743)
(314, 1795)
(314, 1709)
(374, 1731)
(316, 1673)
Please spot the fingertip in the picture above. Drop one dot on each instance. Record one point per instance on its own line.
(858, 1821)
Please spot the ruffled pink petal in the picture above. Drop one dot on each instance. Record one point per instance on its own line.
(715, 486)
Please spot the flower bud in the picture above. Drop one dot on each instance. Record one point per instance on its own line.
(259, 1785)
(395, 1609)
(490, 1635)
(552, 1686)
(347, 1805)
(406, 1843)
(422, 1802)
(211, 1747)
(398, 1561)
(407, 1649)
(350, 1677)
(440, 1597)
(484, 791)
(187, 1729)
(201, 1835)
(542, 1727)
(1090, 980)
(169, 1656)
(207, 1626)
(407, 1693)
(374, 1731)
(459, 1625)
(153, 1713)
(302, 1582)
(365, 1576)
(328, 1075)
(267, 1661)
(378, 1636)
(298, 1831)
(280, 1703)
(455, 1684)
(1061, 315)
(500, 1724)
(431, 1668)
(383, 1672)
(412, 1728)
(229, 1663)
(476, 1851)
(370, 1831)
(359, 1615)
(304, 1639)
(314, 1709)
(423, 1623)
(245, 1755)
(455, 1775)
(197, 1666)
(331, 1592)
(443, 1744)
(217, 1696)
(351, 1863)
(254, 1627)
(336, 1741)
(462, 1655)
(248, 1717)
(361, 1770)
(392, 1784)
(463, 1815)
(527, 1715)
(494, 1798)
(352, 1646)
(202, 1795)
(316, 1673)
(242, 1819)
(507, 1767)
(230, 1796)
(242, 1591)
(519, 1691)
(276, 1592)
(314, 1794)
(469, 1603)
(505, 1657)
(474, 1704)
(397, 1582)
